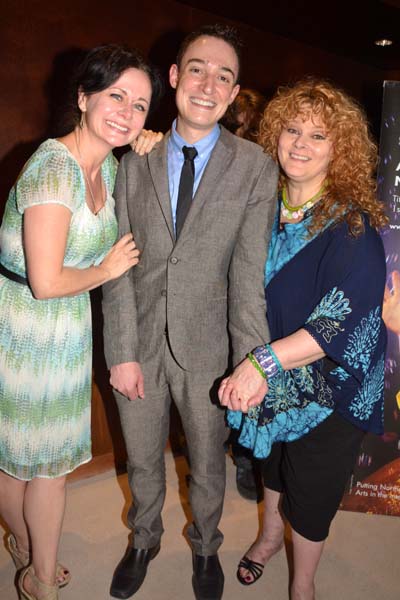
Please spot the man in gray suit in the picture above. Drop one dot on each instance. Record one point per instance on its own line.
(194, 301)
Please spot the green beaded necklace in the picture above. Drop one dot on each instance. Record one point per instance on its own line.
(294, 212)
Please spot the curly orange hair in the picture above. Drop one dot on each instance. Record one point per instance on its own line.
(351, 184)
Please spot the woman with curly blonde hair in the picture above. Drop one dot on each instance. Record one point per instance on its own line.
(304, 401)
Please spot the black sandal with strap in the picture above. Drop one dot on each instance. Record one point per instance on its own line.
(256, 569)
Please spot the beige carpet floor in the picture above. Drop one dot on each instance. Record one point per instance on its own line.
(360, 562)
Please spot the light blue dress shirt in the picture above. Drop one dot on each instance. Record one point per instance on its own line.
(204, 148)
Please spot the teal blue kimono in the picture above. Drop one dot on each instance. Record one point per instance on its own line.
(332, 286)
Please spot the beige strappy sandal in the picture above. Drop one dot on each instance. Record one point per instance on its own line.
(22, 559)
(50, 592)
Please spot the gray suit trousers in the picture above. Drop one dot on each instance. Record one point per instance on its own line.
(145, 424)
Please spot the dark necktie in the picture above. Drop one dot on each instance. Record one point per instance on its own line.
(185, 192)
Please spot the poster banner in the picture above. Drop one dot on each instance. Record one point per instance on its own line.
(375, 484)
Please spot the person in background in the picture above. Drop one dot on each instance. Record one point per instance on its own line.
(57, 242)
(245, 113)
(199, 205)
(305, 400)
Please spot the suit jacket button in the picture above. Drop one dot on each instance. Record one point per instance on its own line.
(174, 260)
(163, 293)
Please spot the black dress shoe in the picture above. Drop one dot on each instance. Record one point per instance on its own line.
(208, 577)
(131, 571)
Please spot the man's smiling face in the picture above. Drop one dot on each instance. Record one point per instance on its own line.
(205, 85)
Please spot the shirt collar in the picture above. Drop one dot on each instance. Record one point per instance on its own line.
(203, 146)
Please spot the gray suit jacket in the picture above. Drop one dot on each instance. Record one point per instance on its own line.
(207, 288)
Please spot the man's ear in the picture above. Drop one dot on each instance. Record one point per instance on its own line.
(174, 76)
(234, 93)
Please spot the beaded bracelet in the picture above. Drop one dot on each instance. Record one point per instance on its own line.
(256, 365)
(267, 361)
(274, 356)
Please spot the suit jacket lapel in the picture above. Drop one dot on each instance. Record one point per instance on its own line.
(159, 173)
(210, 181)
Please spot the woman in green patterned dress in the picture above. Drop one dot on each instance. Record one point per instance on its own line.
(57, 242)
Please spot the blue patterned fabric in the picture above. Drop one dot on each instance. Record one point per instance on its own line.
(331, 285)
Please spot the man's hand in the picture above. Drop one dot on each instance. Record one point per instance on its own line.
(127, 379)
(244, 389)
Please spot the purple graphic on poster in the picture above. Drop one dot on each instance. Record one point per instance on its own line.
(375, 484)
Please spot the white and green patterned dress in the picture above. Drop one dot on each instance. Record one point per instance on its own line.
(46, 345)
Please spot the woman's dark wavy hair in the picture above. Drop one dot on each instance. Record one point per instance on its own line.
(351, 183)
(102, 66)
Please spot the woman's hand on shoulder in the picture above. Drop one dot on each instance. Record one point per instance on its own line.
(122, 256)
(146, 141)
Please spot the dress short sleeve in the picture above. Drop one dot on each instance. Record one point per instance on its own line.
(51, 176)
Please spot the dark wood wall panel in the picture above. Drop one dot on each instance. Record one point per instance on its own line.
(37, 36)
